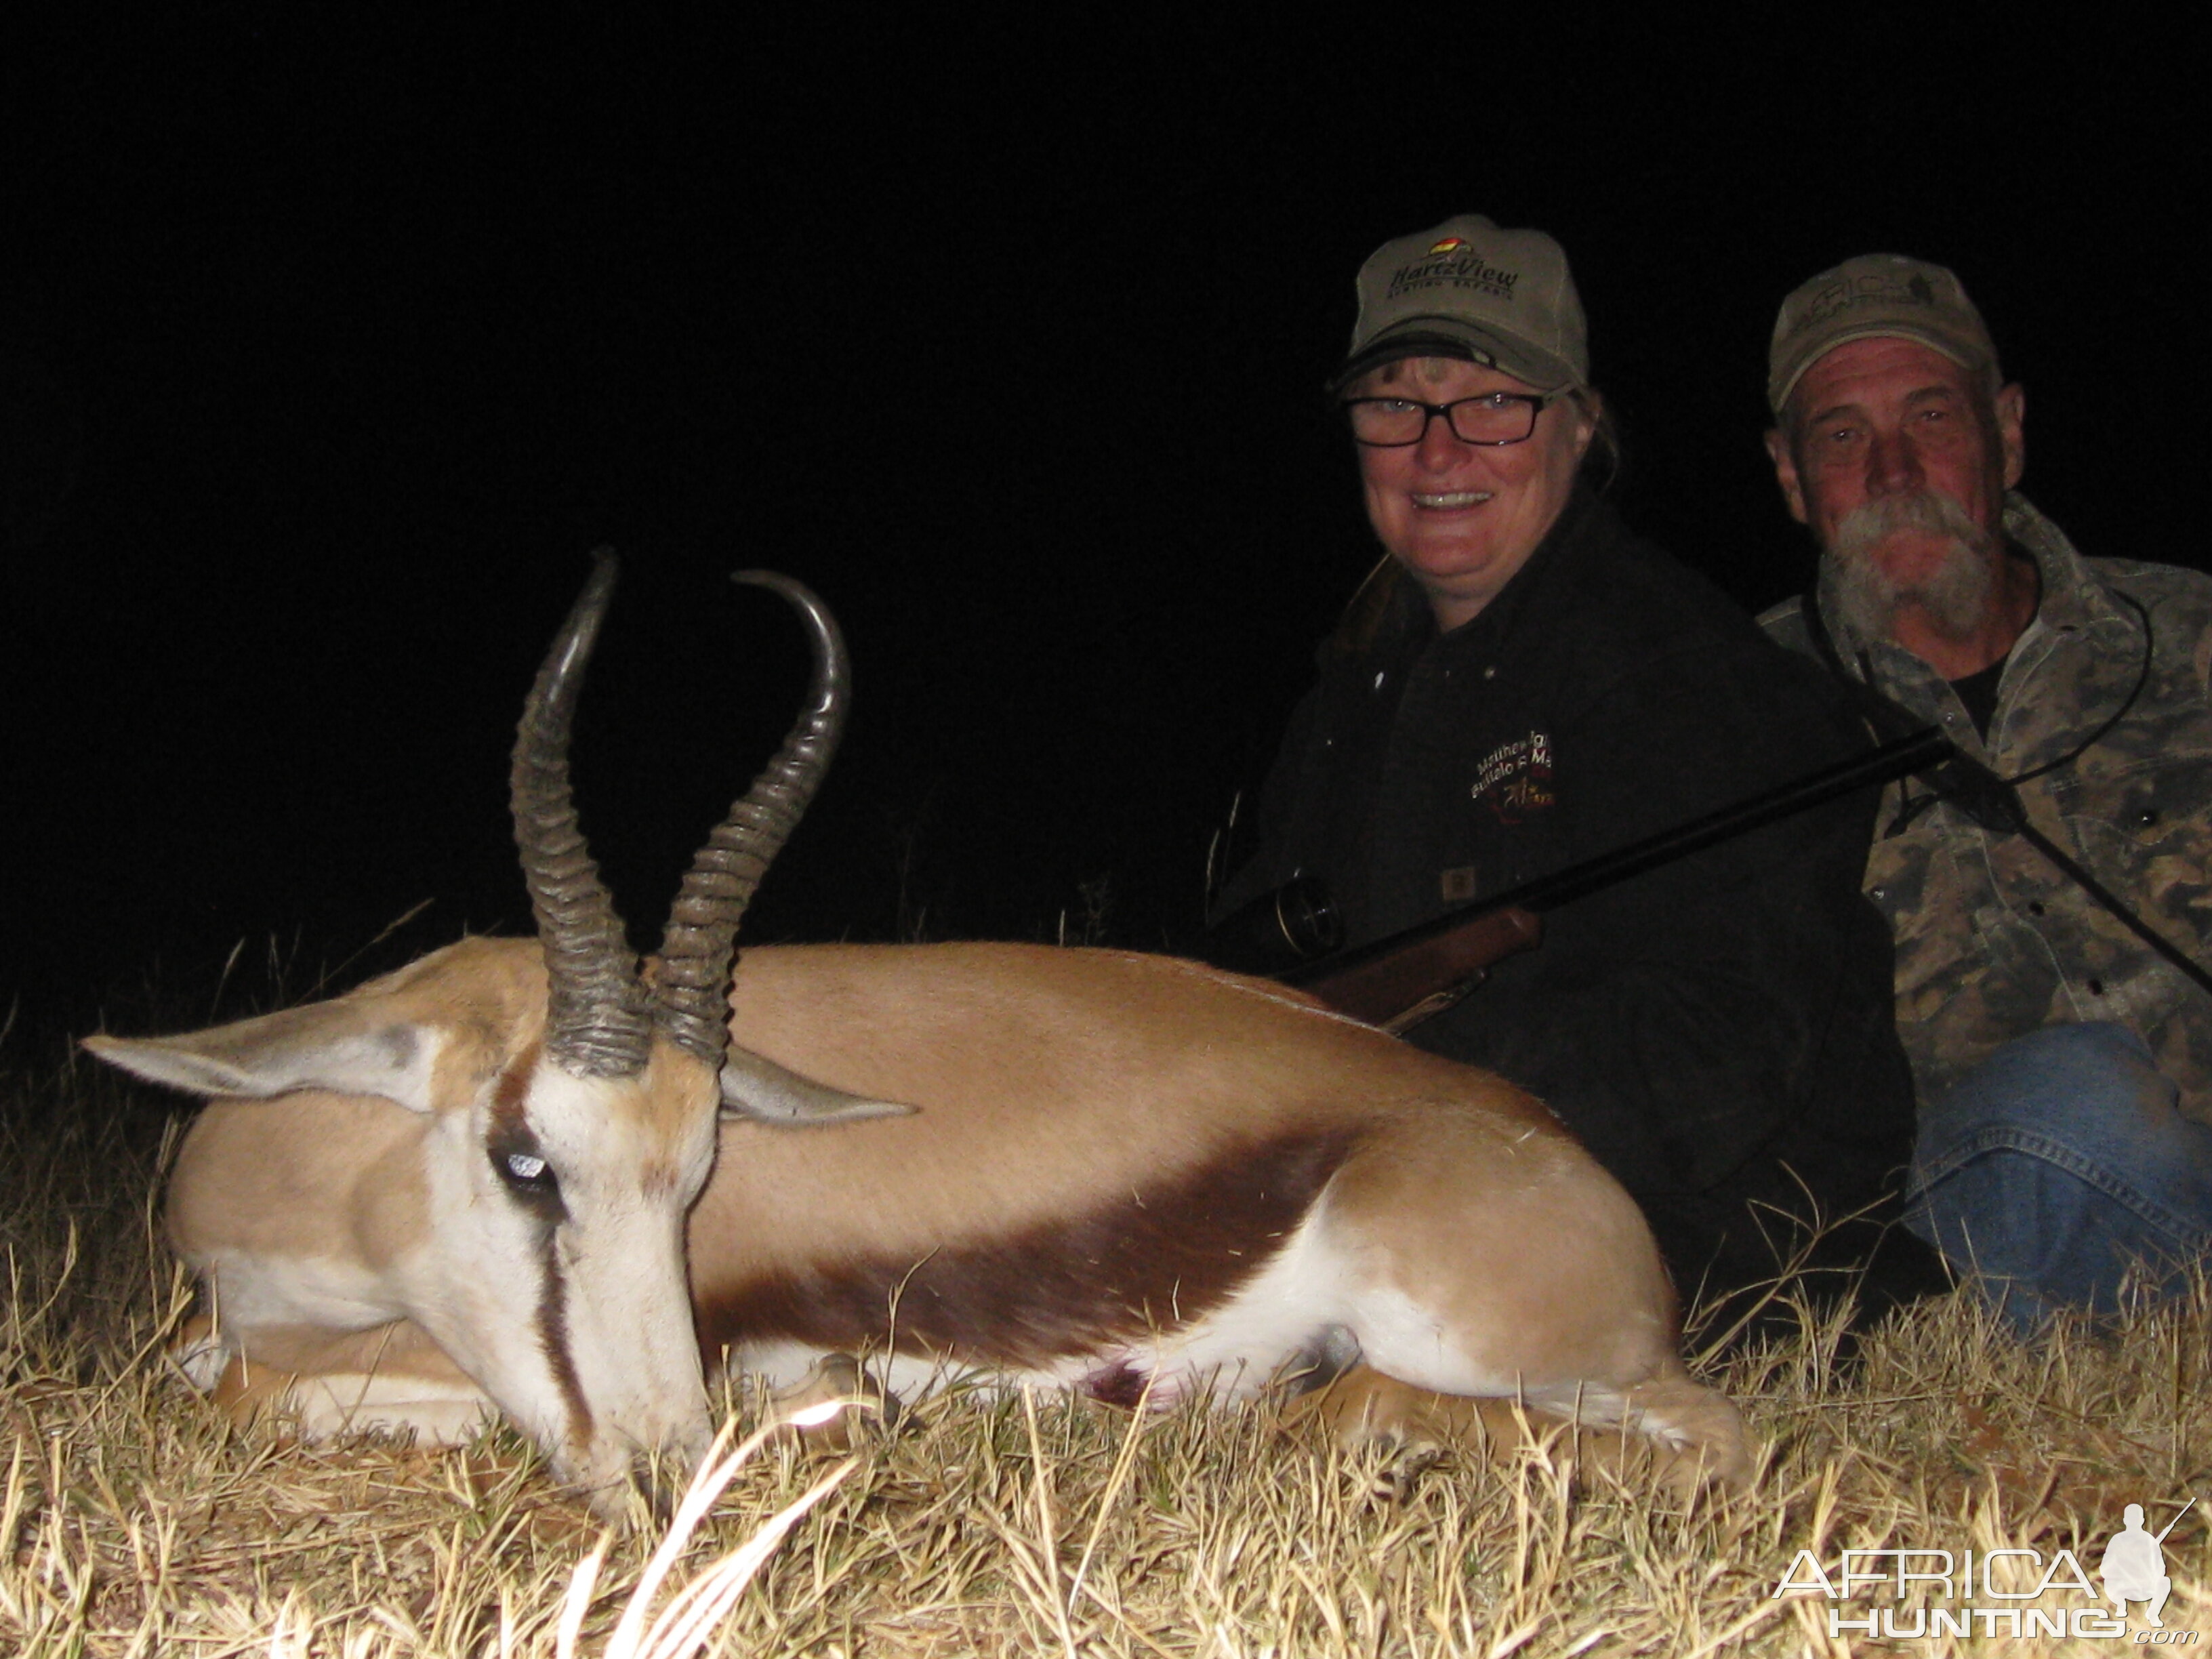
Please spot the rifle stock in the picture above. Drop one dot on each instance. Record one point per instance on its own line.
(1400, 989)
(1397, 982)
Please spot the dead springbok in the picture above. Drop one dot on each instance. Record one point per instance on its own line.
(466, 1184)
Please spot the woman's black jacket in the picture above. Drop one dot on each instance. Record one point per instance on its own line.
(1718, 1032)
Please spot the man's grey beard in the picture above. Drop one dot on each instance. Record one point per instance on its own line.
(1954, 598)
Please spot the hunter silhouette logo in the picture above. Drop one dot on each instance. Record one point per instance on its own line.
(1920, 1595)
(2134, 1567)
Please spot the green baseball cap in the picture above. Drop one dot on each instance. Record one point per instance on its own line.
(1875, 296)
(1468, 290)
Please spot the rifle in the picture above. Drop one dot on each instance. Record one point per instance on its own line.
(2176, 1522)
(1397, 982)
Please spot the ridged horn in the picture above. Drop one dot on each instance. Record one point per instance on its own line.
(599, 1022)
(695, 952)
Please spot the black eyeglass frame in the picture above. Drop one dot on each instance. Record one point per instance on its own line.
(1538, 401)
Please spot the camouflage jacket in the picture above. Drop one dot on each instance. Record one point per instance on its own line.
(1992, 942)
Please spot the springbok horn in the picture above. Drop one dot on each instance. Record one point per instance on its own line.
(696, 950)
(598, 1022)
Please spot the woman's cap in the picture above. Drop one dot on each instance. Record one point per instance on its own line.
(1468, 290)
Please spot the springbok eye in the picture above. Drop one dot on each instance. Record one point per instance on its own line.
(524, 1169)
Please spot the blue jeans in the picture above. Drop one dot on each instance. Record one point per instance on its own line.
(2056, 1166)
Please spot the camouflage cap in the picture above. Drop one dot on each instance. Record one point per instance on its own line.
(1876, 296)
(1468, 290)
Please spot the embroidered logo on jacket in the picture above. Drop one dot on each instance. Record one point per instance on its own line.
(1514, 779)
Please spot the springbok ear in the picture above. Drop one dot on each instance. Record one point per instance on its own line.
(759, 1090)
(328, 1045)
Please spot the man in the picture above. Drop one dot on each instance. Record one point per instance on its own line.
(2061, 1038)
(1522, 683)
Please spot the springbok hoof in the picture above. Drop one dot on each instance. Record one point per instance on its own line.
(838, 1406)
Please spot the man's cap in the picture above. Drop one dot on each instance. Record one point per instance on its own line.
(1468, 290)
(1875, 296)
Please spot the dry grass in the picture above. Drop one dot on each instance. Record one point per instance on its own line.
(132, 1520)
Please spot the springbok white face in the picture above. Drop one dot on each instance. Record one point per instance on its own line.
(570, 1193)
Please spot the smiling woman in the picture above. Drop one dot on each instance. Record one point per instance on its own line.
(1460, 492)
(1522, 684)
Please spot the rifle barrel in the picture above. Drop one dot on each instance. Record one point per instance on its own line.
(2176, 1522)
(1884, 763)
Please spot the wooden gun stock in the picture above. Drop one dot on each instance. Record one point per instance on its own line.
(1402, 988)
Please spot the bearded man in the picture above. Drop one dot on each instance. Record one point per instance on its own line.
(2058, 1022)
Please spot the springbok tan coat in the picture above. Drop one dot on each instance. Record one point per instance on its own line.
(522, 1174)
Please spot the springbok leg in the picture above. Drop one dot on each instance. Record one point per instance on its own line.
(319, 1384)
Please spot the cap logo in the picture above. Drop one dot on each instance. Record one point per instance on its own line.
(1466, 289)
(1452, 263)
(1865, 289)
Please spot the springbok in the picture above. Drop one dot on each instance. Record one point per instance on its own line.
(533, 1176)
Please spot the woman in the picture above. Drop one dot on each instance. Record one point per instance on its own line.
(1522, 684)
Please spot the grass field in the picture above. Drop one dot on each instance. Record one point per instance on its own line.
(133, 1520)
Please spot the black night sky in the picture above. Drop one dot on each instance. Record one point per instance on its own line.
(329, 345)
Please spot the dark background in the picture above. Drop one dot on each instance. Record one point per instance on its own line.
(328, 346)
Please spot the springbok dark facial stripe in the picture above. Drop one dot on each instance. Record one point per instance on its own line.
(510, 1125)
(1150, 1260)
(553, 1339)
(513, 1088)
